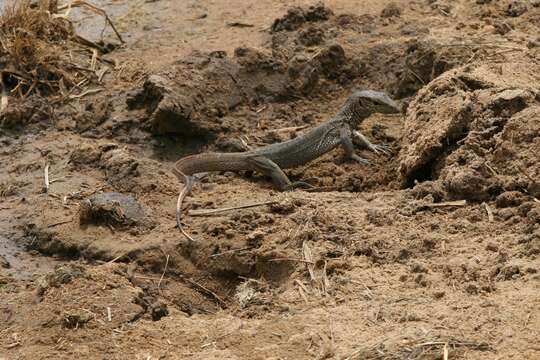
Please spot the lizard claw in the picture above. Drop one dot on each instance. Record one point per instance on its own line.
(380, 149)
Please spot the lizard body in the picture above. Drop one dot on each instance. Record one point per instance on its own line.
(271, 159)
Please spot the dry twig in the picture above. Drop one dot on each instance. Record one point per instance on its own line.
(3, 96)
(489, 212)
(207, 291)
(46, 178)
(308, 258)
(164, 271)
(216, 211)
(109, 315)
(447, 203)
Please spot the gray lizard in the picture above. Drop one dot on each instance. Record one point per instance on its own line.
(271, 159)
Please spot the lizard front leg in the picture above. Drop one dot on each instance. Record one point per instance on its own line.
(365, 143)
(347, 144)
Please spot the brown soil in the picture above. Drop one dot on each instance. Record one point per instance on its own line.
(384, 263)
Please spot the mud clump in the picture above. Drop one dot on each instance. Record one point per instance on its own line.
(510, 199)
(303, 75)
(75, 319)
(311, 36)
(391, 10)
(62, 274)
(85, 154)
(112, 208)
(20, 113)
(424, 61)
(516, 8)
(4, 263)
(331, 60)
(121, 169)
(170, 111)
(297, 16)
(194, 100)
(476, 132)
(93, 115)
(431, 189)
(155, 307)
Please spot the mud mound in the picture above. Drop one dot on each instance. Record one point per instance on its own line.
(193, 98)
(476, 130)
(206, 87)
(297, 16)
(425, 60)
(312, 53)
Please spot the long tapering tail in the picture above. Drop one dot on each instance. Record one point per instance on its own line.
(188, 180)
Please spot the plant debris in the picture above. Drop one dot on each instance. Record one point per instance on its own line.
(41, 53)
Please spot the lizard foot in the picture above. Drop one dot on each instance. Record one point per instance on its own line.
(298, 184)
(360, 160)
(381, 149)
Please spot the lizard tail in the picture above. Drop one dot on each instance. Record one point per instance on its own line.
(188, 184)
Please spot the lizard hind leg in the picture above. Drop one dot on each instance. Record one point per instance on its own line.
(270, 168)
(280, 179)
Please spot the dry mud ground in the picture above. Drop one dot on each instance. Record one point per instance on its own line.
(385, 262)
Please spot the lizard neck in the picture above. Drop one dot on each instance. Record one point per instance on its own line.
(353, 115)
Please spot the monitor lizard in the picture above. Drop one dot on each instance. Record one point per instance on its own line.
(271, 159)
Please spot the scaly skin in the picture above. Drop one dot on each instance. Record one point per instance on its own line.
(271, 159)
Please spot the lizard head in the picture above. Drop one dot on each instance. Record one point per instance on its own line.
(362, 104)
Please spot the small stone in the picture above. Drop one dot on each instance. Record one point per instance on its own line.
(421, 280)
(534, 215)
(502, 27)
(158, 309)
(510, 272)
(283, 207)
(84, 154)
(255, 238)
(472, 289)
(75, 319)
(311, 36)
(506, 214)
(509, 199)
(4, 263)
(438, 294)
(391, 10)
(419, 268)
(516, 8)
(492, 247)
(111, 208)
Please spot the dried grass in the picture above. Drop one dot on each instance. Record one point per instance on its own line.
(40, 52)
(417, 349)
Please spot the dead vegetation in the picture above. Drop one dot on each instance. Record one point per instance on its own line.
(41, 53)
(422, 348)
